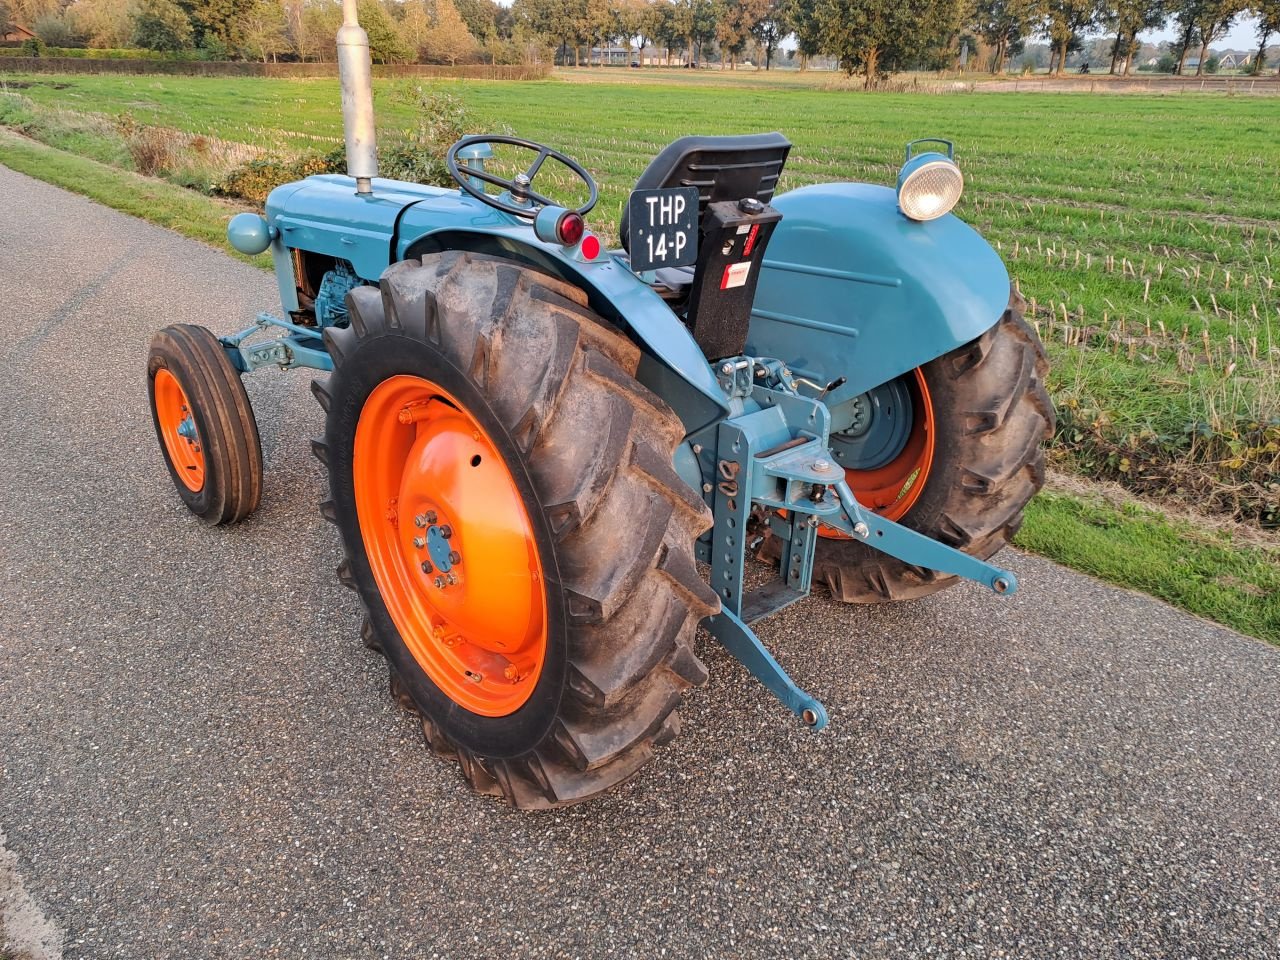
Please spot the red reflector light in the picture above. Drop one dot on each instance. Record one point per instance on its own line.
(590, 247)
(570, 228)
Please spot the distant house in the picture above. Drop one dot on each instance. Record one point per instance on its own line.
(1232, 60)
(16, 34)
(616, 56)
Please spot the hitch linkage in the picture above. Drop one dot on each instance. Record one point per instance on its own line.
(774, 459)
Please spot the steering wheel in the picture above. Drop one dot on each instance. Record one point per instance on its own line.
(520, 187)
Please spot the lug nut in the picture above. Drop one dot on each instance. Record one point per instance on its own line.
(439, 582)
(420, 520)
(452, 579)
(419, 542)
(431, 516)
(446, 531)
(426, 566)
(455, 556)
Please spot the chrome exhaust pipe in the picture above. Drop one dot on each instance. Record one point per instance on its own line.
(355, 72)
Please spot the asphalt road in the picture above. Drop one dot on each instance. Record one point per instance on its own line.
(201, 760)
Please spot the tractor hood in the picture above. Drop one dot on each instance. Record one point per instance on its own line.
(324, 214)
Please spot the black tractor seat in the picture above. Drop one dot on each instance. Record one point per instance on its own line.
(722, 168)
(735, 178)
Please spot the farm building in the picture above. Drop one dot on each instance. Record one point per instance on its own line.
(16, 33)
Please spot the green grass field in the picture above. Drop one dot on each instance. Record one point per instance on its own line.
(1144, 230)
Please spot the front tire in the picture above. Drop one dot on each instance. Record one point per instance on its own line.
(990, 414)
(549, 673)
(207, 431)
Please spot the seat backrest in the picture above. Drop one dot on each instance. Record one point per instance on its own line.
(722, 168)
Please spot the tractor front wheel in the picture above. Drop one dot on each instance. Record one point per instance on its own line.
(513, 525)
(204, 423)
(970, 460)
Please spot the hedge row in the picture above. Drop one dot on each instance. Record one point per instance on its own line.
(85, 53)
(219, 68)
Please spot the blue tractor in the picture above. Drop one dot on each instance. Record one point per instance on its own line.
(549, 462)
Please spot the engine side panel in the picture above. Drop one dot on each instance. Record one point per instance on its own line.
(852, 288)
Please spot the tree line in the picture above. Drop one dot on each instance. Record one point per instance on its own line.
(871, 38)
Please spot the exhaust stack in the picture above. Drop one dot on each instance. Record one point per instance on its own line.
(355, 71)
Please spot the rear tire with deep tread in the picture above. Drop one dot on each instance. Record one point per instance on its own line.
(992, 414)
(590, 451)
(226, 428)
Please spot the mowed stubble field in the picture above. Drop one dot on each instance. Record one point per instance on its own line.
(1143, 230)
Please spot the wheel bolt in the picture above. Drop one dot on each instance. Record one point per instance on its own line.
(455, 556)
(446, 531)
(419, 542)
(431, 516)
(439, 582)
(420, 520)
(426, 566)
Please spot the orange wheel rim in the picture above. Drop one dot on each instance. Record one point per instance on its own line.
(893, 489)
(450, 545)
(178, 430)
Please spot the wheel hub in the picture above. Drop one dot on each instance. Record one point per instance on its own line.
(887, 447)
(440, 549)
(880, 422)
(178, 429)
(431, 490)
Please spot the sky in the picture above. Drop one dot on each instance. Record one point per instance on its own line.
(1243, 36)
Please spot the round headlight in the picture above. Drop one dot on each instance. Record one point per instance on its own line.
(929, 186)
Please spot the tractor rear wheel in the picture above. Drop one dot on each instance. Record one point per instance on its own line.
(969, 464)
(512, 523)
(205, 425)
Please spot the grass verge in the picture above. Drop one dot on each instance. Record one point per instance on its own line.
(1199, 568)
(1205, 573)
(164, 204)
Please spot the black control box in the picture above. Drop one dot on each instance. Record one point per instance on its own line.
(730, 253)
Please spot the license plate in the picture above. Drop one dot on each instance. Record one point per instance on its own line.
(662, 228)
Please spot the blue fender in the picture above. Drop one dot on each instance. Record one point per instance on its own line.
(852, 288)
